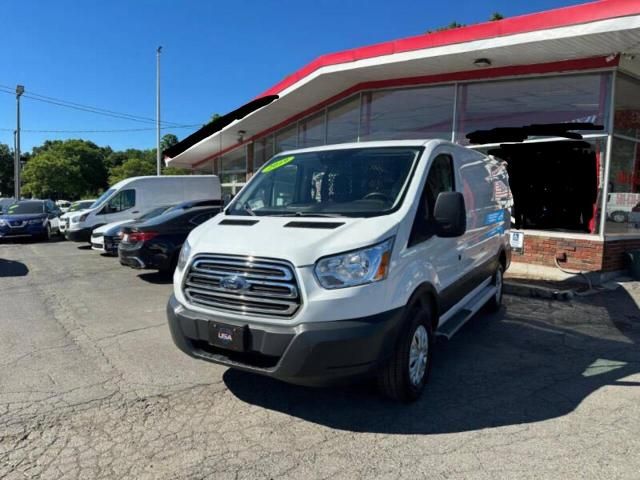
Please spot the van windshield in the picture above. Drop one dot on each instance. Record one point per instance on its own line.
(347, 182)
(102, 198)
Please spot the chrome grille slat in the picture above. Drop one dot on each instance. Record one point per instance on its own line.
(270, 287)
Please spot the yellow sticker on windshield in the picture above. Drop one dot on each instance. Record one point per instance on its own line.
(277, 164)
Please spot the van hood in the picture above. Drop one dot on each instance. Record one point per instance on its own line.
(300, 240)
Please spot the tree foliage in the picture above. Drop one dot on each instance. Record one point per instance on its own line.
(133, 167)
(6, 171)
(495, 16)
(167, 141)
(65, 169)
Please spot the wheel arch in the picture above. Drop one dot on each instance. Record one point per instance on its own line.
(426, 294)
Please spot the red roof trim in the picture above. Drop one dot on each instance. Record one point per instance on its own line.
(561, 17)
(489, 73)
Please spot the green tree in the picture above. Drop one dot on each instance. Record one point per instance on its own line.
(133, 167)
(65, 169)
(175, 171)
(167, 141)
(496, 16)
(6, 171)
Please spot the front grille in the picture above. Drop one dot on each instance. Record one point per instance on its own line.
(270, 286)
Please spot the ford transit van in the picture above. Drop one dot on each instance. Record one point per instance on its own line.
(345, 261)
(135, 196)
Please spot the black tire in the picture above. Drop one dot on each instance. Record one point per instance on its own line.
(172, 266)
(46, 236)
(495, 302)
(394, 380)
(619, 216)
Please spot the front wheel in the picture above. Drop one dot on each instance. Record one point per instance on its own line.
(46, 236)
(406, 374)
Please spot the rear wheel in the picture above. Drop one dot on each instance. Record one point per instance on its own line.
(405, 376)
(495, 302)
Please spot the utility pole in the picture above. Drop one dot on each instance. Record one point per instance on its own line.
(16, 164)
(158, 151)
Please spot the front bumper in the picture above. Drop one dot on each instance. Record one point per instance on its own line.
(82, 235)
(142, 256)
(314, 354)
(35, 230)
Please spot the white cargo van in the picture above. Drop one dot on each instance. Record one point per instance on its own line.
(345, 261)
(135, 196)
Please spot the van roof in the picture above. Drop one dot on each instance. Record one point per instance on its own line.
(127, 181)
(373, 144)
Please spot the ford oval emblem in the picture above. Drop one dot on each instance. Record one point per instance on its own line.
(235, 283)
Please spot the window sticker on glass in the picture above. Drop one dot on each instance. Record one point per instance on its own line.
(277, 164)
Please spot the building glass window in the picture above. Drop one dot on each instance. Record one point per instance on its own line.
(232, 169)
(311, 130)
(408, 113)
(262, 151)
(627, 107)
(343, 120)
(556, 185)
(287, 138)
(623, 199)
(516, 103)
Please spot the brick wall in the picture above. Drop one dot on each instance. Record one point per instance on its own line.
(582, 255)
(615, 257)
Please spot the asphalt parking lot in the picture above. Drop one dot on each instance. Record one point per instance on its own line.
(92, 387)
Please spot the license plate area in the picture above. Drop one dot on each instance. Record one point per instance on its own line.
(228, 336)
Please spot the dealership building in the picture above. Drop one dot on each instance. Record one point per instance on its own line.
(556, 94)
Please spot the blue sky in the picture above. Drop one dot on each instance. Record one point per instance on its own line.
(216, 55)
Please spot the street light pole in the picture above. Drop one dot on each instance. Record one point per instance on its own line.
(158, 152)
(16, 164)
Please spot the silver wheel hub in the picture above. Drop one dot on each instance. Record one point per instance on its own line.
(418, 355)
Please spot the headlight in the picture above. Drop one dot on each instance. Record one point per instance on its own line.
(36, 221)
(354, 268)
(184, 255)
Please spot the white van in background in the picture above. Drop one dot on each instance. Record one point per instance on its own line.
(135, 196)
(344, 261)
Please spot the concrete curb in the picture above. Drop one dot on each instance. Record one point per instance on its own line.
(535, 291)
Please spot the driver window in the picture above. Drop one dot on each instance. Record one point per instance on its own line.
(440, 179)
(121, 202)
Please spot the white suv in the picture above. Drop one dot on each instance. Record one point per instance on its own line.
(345, 261)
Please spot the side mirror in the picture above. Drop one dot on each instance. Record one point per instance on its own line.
(450, 215)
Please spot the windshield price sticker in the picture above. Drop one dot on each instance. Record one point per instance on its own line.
(277, 164)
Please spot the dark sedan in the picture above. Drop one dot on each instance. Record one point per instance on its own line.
(30, 218)
(156, 244)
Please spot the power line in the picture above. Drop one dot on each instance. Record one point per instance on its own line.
(116, 130)
(91, 109)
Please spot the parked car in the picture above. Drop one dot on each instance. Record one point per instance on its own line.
(106, 239)
(5, 202)
(156, 243)
(132, 197)
(30, 218)
(73, 209)
(346, 261)
(63, 205)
